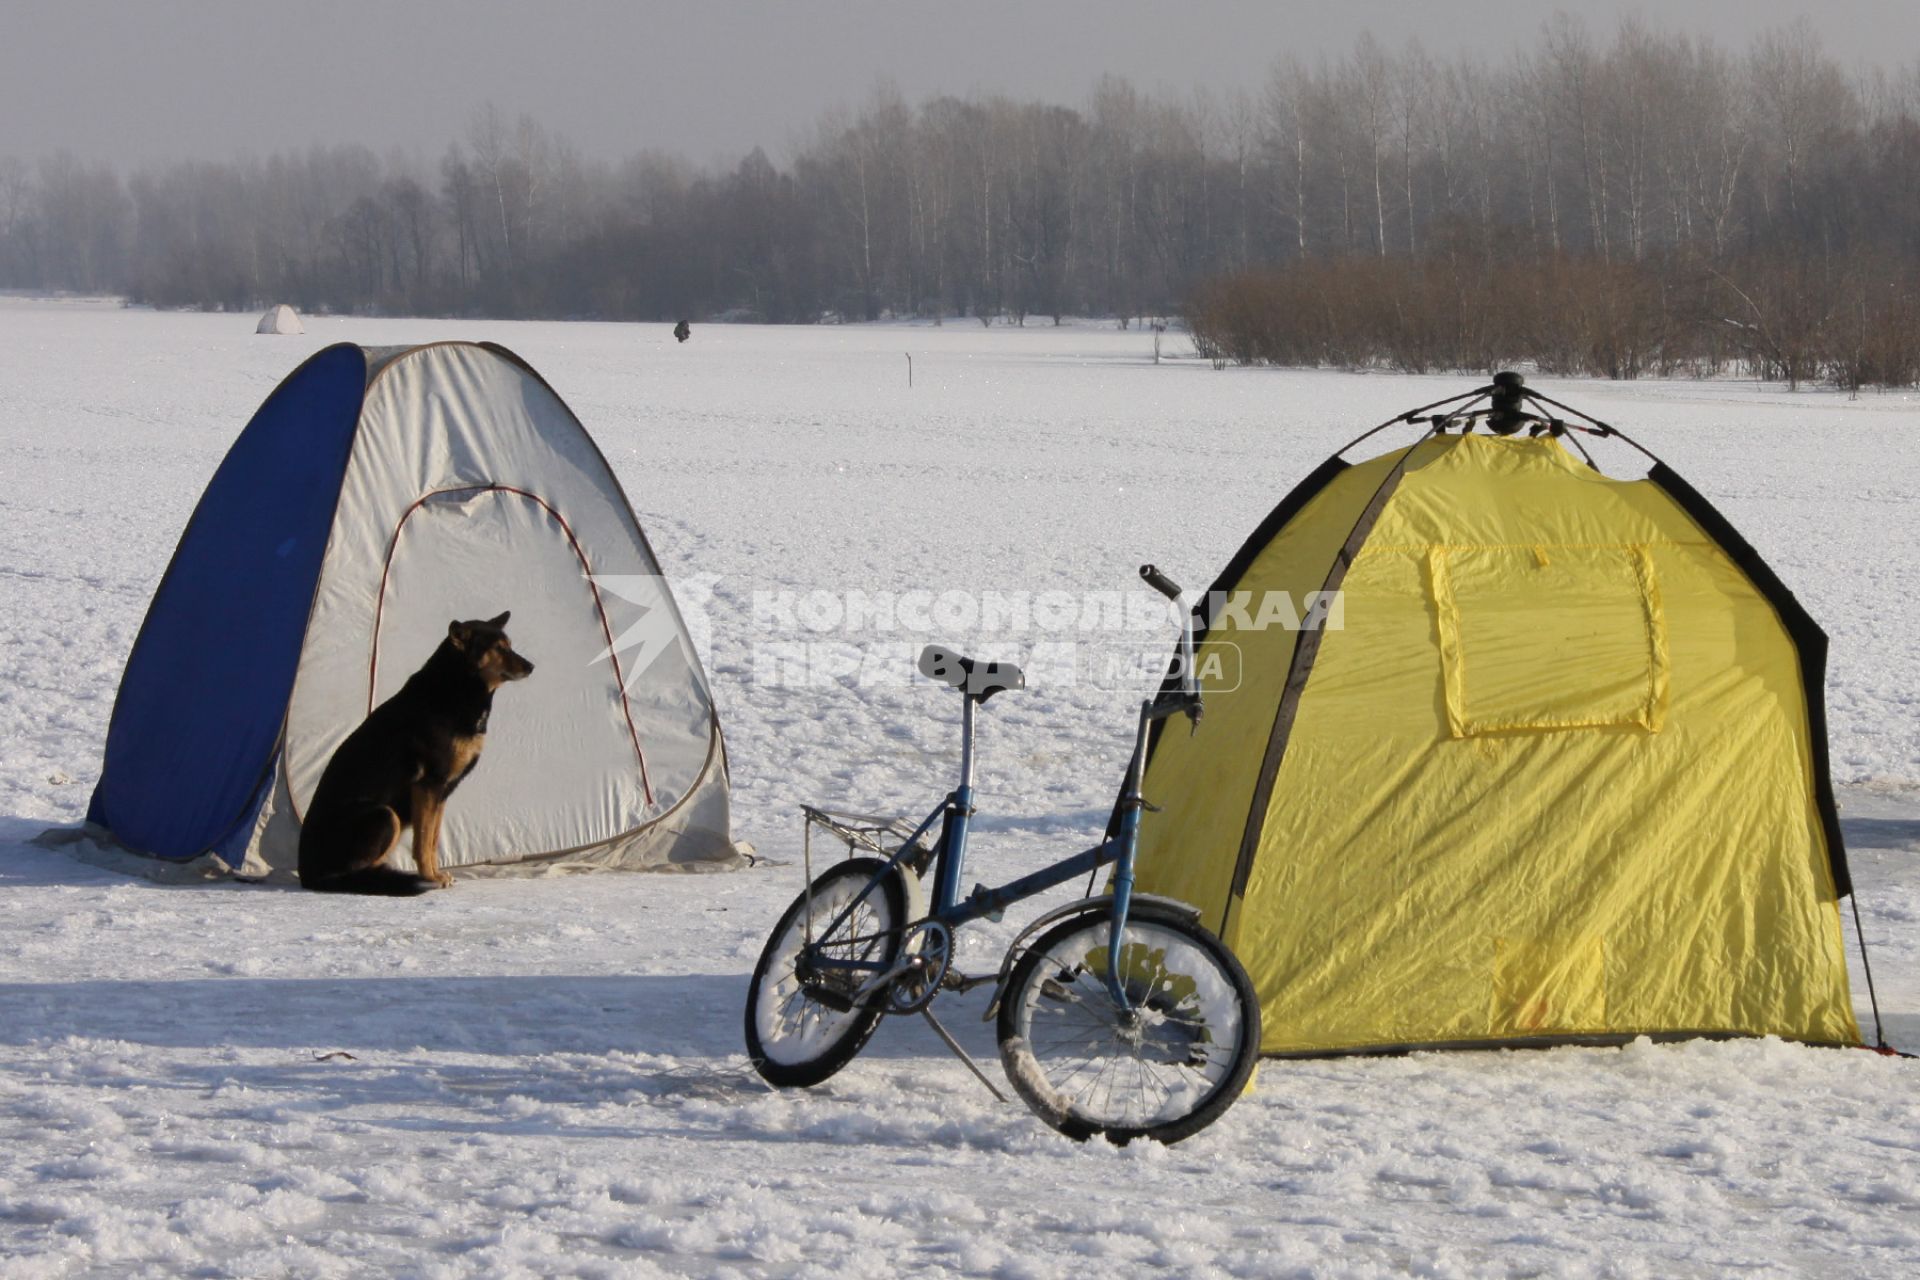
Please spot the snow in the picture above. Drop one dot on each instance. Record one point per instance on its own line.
(546, 1077)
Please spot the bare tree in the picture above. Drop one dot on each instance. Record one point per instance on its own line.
(1371, 76)
(1284, 133)
(1798, 94)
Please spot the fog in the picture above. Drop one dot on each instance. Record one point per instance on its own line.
(131, 84)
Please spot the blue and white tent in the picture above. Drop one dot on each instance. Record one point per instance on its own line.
(377, 495)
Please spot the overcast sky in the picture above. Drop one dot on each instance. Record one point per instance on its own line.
(208, 79)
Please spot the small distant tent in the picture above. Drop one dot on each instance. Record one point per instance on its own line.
(281, 319)
(1555, 770)
(377, 495)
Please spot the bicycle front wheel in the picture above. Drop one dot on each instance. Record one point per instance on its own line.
(1165, 1070)
(802, 1022)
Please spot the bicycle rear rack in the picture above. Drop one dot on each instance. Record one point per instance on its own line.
(860, 832)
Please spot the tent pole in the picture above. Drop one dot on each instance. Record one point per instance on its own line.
(1603, 428)
(1412, 415)
(1873, 1000)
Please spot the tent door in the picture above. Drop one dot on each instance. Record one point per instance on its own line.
(563, 767)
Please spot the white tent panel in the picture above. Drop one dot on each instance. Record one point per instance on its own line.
(280, 319)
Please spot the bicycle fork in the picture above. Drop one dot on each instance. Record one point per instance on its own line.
(1185, 701)
(1131, 803)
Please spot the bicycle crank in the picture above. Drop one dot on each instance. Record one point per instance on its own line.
(928, 948)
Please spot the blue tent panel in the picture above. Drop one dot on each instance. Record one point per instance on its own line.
(197, 723)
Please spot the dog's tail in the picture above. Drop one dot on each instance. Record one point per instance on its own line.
(382, 882)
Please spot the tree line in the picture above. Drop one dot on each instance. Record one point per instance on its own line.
(1660, 206)
(1629, 203)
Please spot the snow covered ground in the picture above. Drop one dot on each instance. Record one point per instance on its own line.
(545, 1077)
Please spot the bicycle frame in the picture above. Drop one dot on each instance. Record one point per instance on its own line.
(948, 908)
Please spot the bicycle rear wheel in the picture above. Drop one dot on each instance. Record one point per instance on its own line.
(802, 1025)
(1166, 1071)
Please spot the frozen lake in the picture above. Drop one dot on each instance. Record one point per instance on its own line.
(545, 1077)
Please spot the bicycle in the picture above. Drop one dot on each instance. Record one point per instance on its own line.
(1124, 1018)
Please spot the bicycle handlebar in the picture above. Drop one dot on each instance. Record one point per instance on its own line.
(1160, 582)
(1188, 698)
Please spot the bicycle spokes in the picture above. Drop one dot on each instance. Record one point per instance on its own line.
(1163, 1067)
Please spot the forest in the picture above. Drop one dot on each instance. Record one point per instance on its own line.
(1631, 203)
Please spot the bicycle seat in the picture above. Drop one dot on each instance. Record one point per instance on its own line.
(978, 680)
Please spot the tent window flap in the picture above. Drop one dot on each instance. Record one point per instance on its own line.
(1549, 638)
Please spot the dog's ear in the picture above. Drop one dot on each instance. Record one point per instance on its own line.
(501, 621)
(459, 632)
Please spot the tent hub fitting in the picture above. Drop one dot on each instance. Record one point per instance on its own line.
(1505, 412)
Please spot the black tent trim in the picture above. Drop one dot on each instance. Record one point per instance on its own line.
(1306, 650)
(1279, 518)
(1808, 639)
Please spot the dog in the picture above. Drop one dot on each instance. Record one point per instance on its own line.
(398, 768)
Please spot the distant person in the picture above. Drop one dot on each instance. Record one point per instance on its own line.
(682, 331)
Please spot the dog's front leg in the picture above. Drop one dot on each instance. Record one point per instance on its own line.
(428, 807)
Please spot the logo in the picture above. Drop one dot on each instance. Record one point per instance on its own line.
(656, 617)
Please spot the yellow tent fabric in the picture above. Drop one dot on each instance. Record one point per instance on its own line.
(1552, 772)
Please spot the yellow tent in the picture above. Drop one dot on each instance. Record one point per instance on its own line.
(1553, 770)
